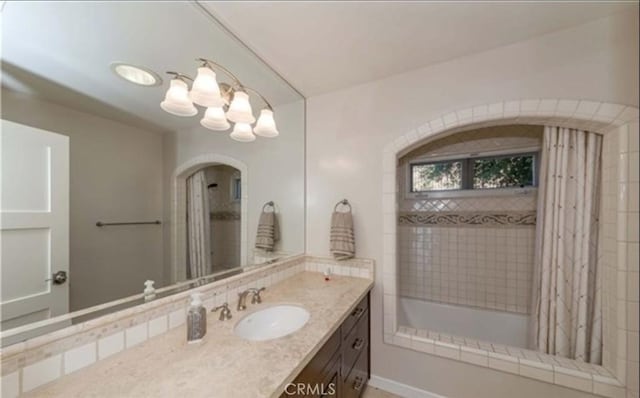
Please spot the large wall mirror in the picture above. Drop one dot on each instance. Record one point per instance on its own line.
(105, 192)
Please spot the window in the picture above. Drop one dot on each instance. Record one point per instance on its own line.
(503, 171)
(236, 189)
(436, 176)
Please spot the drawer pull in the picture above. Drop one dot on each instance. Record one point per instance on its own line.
(358, 383)
(358, 344)
(357, 312)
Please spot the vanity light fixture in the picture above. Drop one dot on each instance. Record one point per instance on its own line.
(177, 101)
(136, 74)
(225, 102)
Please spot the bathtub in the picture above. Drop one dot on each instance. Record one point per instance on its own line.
(476, 323)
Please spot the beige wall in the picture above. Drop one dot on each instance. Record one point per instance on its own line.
(116, 175)
(348, 129)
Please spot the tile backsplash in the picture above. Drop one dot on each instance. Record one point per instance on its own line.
(475, 266)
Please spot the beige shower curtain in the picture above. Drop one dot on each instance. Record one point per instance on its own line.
(567, 282)
(198, 226)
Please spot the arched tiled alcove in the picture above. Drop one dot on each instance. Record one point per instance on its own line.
(178, 207)
(604, 118)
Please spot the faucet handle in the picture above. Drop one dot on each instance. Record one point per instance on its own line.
(225, 313)
(256, 299)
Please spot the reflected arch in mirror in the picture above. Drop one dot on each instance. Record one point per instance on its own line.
(178, 267)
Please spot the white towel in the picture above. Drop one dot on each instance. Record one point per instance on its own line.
(342, 239)
(268, 232)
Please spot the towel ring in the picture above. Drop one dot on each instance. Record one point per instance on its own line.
(269, 204)
(343, 202)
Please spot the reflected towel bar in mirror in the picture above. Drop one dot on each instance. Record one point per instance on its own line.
(106, 224)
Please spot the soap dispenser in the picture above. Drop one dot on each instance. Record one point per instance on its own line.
(149, 290)
(196, 319)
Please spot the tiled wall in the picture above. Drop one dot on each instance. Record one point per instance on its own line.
(608, 248)
(477, 266)
(606, 118)
(620, 255)
(225, 218)
(476, 251)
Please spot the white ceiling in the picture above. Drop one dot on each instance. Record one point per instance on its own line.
(62, 51)
(324, 46)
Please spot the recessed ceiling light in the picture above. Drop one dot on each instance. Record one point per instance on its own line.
(136, 74)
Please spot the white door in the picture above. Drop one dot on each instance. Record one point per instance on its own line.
(34, 224)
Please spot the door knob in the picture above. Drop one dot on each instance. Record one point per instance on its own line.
(58, 278)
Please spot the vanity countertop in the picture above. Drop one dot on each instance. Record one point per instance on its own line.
(222, 365)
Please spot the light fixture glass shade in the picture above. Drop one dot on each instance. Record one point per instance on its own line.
(266, 126)
(205, 90)
(214, 119)
(242, 132)
(177, 101)
(240, 109)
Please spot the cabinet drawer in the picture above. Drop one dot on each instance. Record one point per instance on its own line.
(354, 316)
(355, 344)
(357, 380)
(319, 367)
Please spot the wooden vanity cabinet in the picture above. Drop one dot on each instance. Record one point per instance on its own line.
(341, 368)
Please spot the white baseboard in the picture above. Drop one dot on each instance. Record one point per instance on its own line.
(400, 389)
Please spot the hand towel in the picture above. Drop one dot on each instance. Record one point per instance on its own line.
(268, 232)
(342, 239)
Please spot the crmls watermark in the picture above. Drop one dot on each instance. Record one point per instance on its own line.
(303, 389)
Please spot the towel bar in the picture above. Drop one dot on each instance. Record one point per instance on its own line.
(106, 224)
(269, 204)
(343, 202)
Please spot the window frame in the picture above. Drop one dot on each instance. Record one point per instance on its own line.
(467, 175)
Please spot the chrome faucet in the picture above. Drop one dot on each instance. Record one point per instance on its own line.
(255, 297)
(225, 313)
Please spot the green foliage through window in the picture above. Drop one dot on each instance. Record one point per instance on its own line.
(503, 172)
(437, 176)
(475, 173)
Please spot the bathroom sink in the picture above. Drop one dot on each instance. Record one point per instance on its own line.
(272, 322)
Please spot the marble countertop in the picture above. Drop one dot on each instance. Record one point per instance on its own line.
(222, 365)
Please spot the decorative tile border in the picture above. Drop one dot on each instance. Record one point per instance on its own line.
(478, 219)
(37, 361)
(595, 116)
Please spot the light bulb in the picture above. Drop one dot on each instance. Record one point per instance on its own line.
(266, 126)
(177, 101)
(240, 109)
(205, 90)
(242, 132)
(214, 119)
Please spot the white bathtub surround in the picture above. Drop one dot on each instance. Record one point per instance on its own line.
(516, 360)
(39, 360)
(563, 113)
(473, 323)
(568, 313)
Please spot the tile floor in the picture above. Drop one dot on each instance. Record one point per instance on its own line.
(372, 392)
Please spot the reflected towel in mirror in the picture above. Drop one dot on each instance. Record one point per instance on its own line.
(268, 232)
